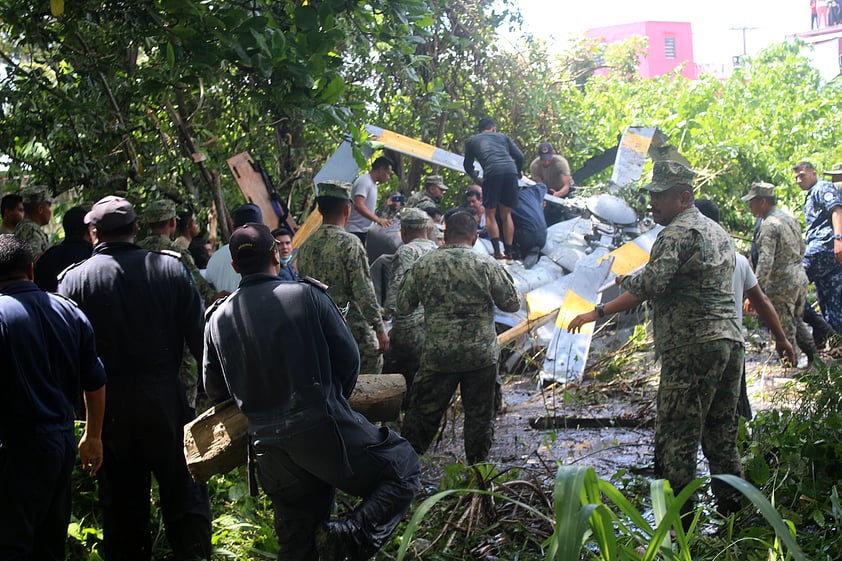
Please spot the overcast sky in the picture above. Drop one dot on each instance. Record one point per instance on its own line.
(712, 20)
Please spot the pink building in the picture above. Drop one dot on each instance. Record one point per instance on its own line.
(670, 45)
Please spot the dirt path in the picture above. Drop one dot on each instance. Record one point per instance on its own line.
(628, 394)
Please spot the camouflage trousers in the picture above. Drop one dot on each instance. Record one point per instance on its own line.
(370, 361)
(697, 398)
(189, 373)
(404, 354)
(826, 273)
(790, 310)
(430, 397)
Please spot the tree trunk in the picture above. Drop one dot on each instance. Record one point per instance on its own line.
(215, 441)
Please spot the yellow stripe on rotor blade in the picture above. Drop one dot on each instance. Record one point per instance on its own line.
(627, 258)
(310, 225)
(637, 142)
(407, 145)
(572, 307)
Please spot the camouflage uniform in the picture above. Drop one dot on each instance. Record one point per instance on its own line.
(27, 230)
(458, 289)
(31, 233)
(156, 212)
(406, 338)
(338, 259)
(781, 275)
(422, 200)
(689, 279)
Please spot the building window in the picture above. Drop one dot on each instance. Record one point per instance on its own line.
(669, 47)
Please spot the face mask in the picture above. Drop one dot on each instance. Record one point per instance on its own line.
(285, 261)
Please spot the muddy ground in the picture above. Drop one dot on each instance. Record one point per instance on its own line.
(618, 387)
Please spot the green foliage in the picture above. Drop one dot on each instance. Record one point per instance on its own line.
(592, 518)
(794, 454)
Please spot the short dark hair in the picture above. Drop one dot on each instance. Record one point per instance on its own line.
(10, 202)
(382, 162)
(473, 193)
(708, 208)
(31, 208)
(73, 222)
(282, 232)
(118, 232)
(332, 207)
(15, 257)
(485, 123)
(460, 225)
(803, 166)
(433, 211)
(184, 220)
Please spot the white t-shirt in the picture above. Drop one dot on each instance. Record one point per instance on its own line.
(744, 280)
(366, 187)
(220, 272)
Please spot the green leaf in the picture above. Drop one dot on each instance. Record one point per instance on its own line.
(170, 56)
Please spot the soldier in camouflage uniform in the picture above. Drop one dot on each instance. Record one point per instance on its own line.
(37, 204)
(779, 269)
(823, 256)
(429, 198)
(835, 175)
(458, 289)
(159, 217)
(338, 259)
(407, 335)
(689, 279)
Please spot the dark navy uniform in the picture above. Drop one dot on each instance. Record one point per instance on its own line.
(285, 354)
(144, 306)
(58, 258)
(47, 353)
(528, 217)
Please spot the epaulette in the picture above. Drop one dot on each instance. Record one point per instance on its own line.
(169, 252)
(315, 282)
(212, 308)
(60, 276)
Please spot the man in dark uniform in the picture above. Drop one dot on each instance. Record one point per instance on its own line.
(502, 165)
(285, 354)
(76, 247)
(143, 306)
(47, 355)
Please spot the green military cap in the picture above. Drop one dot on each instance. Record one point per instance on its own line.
(158, 211)
(666, 174)
(414, 218)
(760, 189)
(435, 180)
(35, 194)
(835, 169)
(335, 188)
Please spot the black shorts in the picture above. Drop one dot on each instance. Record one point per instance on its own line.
(500, 190)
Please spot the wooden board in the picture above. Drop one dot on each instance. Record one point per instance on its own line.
(254, 189)
(215, 441)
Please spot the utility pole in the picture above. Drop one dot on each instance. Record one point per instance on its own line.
(743, 29)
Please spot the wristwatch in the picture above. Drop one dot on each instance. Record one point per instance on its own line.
(600, 310)
(837, 236)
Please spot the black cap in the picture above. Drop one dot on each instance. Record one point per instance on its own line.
(249, 212)
(250, 245)
(545, 151)
(110, 213)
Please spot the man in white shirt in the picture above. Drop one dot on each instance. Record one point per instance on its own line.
(364, 199)
(220, 272)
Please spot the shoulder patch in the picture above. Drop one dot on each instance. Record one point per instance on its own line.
(212, 308)
(314, 282)
(169, 252)
(66, 270)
